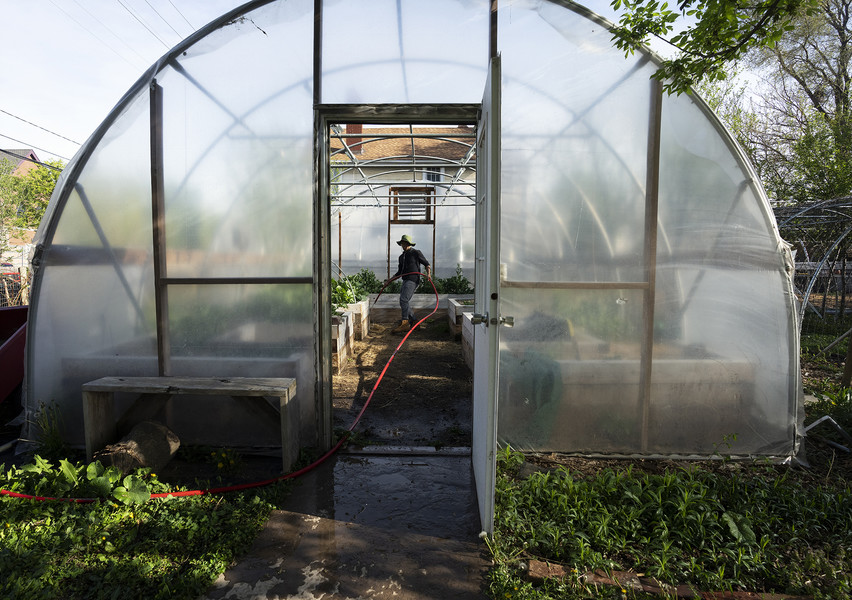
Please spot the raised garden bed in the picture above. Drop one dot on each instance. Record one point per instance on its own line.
(456, 307)
(360, 319)
(342, 338)
(584, 396)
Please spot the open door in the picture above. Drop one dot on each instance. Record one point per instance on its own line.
(486, 310)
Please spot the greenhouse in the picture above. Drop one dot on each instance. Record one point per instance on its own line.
(632, 293)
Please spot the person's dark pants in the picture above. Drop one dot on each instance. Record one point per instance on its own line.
(405, 295)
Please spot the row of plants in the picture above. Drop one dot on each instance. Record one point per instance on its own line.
(354, 288)
(124, 543)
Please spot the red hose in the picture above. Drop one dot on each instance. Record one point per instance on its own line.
(292, 475)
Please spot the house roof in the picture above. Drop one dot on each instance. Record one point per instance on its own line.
(24, 159)
(371, 145)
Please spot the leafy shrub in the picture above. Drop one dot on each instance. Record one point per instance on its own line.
(353, 288)
(456, 284)
(341, 293)
(365, 282)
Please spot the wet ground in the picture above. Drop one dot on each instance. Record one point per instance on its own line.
(369, 526)
(424, 397)
(394, 515)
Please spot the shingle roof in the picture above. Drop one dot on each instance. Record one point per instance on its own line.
(18, 155)
(374, 146)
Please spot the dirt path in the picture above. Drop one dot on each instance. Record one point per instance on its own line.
(424, 398)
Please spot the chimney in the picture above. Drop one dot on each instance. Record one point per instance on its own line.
(351, 142)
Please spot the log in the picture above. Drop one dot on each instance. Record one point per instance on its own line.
(149, 444)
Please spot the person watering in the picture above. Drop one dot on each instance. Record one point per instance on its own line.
(409, 267)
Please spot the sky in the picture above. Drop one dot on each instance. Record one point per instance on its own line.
(66, 63)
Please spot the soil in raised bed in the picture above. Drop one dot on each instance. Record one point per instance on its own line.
(424, 397)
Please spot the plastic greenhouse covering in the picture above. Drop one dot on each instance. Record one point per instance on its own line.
(651, 293)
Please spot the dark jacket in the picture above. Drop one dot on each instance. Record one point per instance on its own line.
(409, 262)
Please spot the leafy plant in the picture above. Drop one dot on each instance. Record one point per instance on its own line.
(723, 529)
(354, 288)
(341, 294)
(455, 284)
(365, 282)
(226, 459)
(133, 546)
(49, 441)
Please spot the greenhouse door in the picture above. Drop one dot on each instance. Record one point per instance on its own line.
(487, 315)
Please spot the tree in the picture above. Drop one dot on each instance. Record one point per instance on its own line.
(808, 146)
(31, 194)
(24, 198)
(729, 99)
(717, 32)
(7, 182)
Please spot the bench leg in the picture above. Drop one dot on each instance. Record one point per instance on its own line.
(98, 421)
(290, 426)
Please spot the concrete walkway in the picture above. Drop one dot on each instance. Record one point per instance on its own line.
(401, 524)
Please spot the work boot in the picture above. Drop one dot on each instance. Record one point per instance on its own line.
(402, 327)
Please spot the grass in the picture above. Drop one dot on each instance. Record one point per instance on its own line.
(713, 526)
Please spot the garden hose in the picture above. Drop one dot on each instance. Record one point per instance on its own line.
(292, 475)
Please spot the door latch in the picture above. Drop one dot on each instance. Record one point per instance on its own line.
(507, 321)
(477, 318)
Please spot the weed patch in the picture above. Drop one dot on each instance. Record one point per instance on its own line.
(123, 544)
(754, 529)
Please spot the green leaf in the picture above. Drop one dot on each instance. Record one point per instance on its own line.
(94, 470)
(69, 471)
(134, 491)
(102, 486)
(739, 528)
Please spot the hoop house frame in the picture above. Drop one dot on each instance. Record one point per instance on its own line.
(650, 290)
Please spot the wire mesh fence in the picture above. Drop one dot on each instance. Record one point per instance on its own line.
(819, 233)
(13, 291)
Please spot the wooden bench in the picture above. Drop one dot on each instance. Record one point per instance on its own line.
(99, 414)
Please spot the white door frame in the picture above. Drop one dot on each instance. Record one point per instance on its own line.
(324, 116)
(487, 317)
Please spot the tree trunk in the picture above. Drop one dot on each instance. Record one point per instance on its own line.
(149, 444)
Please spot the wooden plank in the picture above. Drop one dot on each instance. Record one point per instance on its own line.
(224, 386)
(652, 185)
(290, 426)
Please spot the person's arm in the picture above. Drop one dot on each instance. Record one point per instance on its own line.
(426, 263)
